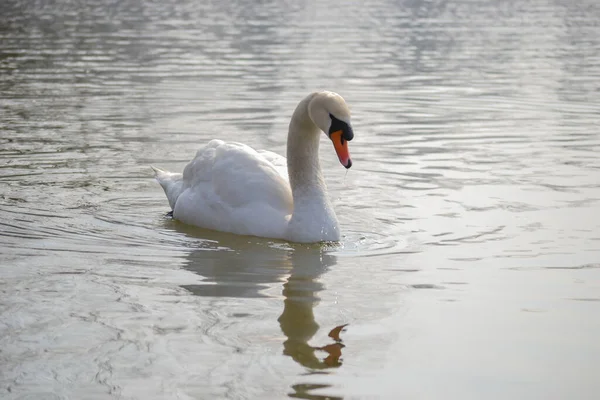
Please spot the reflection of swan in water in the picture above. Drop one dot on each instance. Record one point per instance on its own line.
(242, 266)
(298, 320)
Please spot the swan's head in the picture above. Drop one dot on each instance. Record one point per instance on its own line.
(330, 113)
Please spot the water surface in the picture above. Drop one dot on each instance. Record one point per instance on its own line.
(470, 262)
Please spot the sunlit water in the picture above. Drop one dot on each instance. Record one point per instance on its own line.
(470, 263)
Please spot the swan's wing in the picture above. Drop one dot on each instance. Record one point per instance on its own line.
(241, 176)
(232, 187)
(279, 162)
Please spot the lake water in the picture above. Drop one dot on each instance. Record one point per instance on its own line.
(470, 261)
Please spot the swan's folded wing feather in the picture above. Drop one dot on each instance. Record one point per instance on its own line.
(242, 176)
(200, 168)
(235, 175)
(279, 162)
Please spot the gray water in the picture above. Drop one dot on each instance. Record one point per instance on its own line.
(470, 261)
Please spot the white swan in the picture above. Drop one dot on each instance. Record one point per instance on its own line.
(233, 188)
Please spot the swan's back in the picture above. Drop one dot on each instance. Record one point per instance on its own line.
(232, 187)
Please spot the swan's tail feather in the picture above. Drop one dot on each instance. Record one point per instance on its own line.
(172, 184)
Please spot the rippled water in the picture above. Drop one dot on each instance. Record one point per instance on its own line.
(470, 263)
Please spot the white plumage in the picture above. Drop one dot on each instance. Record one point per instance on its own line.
(233, 188)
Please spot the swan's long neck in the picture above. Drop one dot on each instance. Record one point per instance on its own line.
(303, 154)
(312, 208)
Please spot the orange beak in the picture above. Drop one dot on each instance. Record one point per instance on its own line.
(341, 148)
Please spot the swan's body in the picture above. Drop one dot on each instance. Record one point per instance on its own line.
(233, 188)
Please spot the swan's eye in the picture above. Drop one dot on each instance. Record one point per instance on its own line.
(339, 125)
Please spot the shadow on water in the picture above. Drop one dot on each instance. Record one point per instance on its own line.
(247, 267)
